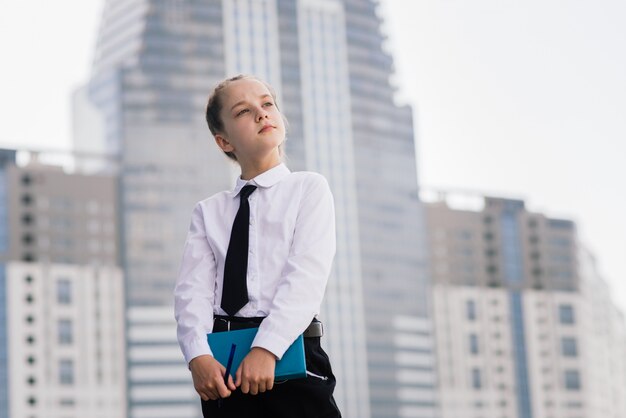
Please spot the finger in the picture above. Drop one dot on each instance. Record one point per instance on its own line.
(231, 383)
(202, 393)
(245, 385)
(270, 384)
(254, 388)
(238, 377)
(262, 386)
(223, 391)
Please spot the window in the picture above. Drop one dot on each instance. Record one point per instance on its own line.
(65, 332)
(560, 224)
(476, 378)
(559, 242)
(27, 199)
(66, 402)
(566, 314)
(473, 340)
(64, 292)
(66, 372)
(572, 380)
(471, 310)
(569, 348)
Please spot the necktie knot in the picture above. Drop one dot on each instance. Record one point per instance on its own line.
(246, 191)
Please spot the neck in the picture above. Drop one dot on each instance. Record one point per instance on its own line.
(251, 169)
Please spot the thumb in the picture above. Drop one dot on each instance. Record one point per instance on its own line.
(231, 384)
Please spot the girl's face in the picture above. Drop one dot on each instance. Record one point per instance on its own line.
(253, 125)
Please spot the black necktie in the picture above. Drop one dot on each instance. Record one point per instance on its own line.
(235, 292)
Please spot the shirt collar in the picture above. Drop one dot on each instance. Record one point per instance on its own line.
(265, 179)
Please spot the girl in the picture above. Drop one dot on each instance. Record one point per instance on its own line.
(257, 256)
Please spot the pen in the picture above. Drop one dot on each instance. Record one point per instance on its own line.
(229, 365)
(231, 356)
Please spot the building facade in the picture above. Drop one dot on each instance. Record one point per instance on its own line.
(66, 347)
(62, 350)
(605, 349)
(515, 315)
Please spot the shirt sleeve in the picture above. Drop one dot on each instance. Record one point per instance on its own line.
(193, 294)
(303, 280)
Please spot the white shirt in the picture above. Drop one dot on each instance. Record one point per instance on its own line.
(291, 249)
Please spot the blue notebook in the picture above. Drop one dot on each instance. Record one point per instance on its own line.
(291, 366)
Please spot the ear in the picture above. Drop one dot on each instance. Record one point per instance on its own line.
(223, 143)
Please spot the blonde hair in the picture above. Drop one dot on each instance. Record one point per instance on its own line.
(215, 104)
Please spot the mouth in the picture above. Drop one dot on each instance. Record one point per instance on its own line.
(266, 128)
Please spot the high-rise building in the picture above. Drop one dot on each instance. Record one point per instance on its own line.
(390, 226)
(154, 65)
(61, 294)
(605, 350)
(514, 321)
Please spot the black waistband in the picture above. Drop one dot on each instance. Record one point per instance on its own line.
(240, 319)
(223, 323)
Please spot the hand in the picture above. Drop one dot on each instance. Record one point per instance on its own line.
(256, 372)
(208, 378)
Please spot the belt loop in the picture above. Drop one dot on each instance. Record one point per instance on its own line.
(228, 326)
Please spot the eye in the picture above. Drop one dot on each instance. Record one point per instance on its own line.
(241, 112)
(268, 104)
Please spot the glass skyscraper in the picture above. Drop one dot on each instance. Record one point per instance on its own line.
(155, 63)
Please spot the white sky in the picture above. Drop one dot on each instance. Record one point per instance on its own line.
(515, 98)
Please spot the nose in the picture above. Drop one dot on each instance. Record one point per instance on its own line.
(261, 114)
